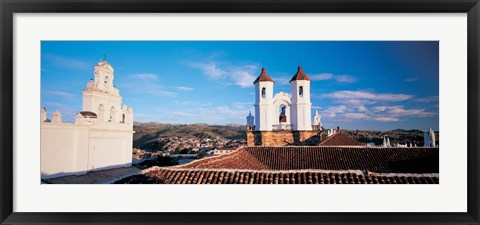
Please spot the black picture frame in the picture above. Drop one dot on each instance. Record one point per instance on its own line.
(9, 7)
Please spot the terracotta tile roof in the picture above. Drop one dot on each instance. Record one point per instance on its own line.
(306, 165)
(235, 160)
(300, 75)
(340, 139)
(263, 76)
(224, 176)
(375, 159)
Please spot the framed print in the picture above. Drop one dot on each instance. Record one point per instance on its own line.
(261, 112)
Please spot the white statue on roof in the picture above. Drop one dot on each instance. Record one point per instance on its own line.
(250, 119)
(429, 138)
(386, 142)
(317, 119)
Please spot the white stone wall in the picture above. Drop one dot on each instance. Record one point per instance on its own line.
(64, 149)
(74, 149)
(109, 149)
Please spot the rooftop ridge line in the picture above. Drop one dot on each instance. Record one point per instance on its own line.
(357, 172)
(154, 168)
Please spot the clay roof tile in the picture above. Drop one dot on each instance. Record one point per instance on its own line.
(263, 77)
(300, 75)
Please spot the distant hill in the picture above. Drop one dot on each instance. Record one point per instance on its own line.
(401, 136)
(151, 131)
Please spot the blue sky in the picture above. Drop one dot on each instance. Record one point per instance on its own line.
(355, 85)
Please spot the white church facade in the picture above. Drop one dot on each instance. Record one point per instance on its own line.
(100, 138)
(283, 111)
(282, 119)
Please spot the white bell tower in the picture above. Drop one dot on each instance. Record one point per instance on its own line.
(263, 102)
(301, 105)
(103, 98)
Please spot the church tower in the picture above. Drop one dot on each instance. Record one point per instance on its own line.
(301, 105)
(263, 102)
(103, 98)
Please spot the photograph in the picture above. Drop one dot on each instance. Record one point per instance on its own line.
(239, 112)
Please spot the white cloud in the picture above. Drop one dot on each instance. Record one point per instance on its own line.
(427, 99)
(147, 88)
(379, 109)
(142, 116)
(65, 62)
(322, 76)
(356, 116)
(386, 119)
(329, 76)
(362, 108)
(234, 112)
(377, 113)
(60, 94)
(332, 111)
(184, 88)
(147, 84)
(359, 95)
(165, 93)
(411, 79)
(345, 79)
(364, 105)
(241, 75)
(180, 102)
(184, 114)
(145, 76)
(242, 105)
(211, 70)
(398, 111)
(191, 103)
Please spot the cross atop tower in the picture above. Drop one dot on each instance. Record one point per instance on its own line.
(105, 57)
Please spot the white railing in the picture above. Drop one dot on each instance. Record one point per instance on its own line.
(282, 127)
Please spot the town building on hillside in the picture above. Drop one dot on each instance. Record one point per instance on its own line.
(100, 138)
(283, 119)
(223, 150)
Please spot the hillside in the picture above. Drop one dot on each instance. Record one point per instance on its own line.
(146, 133)
(401, 136)
(155, 136)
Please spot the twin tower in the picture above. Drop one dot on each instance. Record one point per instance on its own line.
(283, 111)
